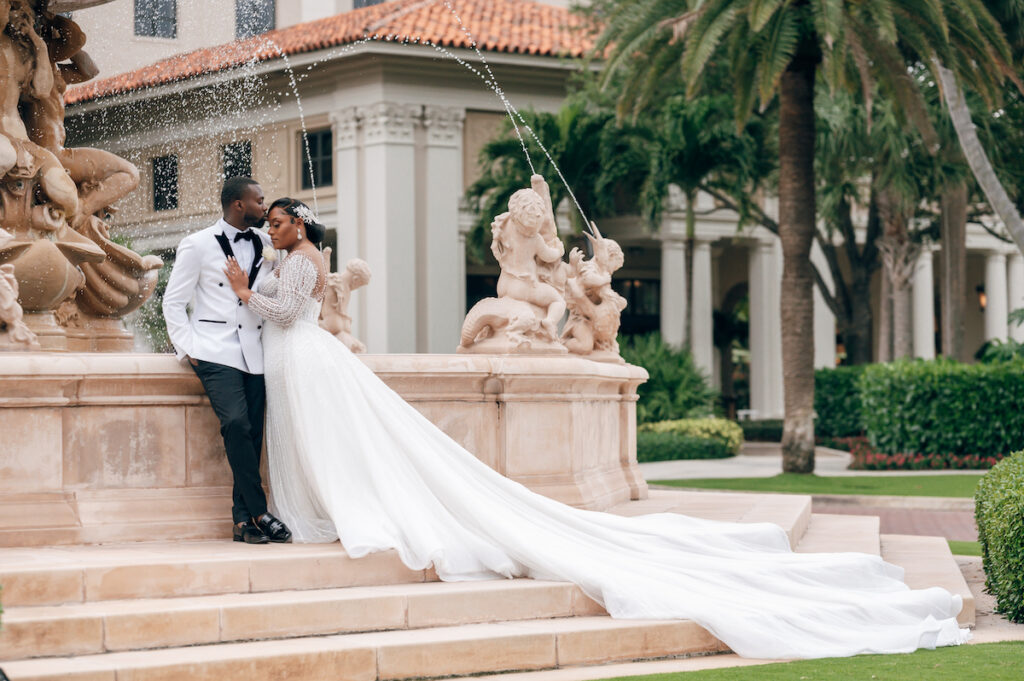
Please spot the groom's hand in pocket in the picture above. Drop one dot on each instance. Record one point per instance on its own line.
(193, 362)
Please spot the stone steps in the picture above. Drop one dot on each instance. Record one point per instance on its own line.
(928, 561)
(228, 611)
(423, 653)
(829, 533)
(58, 575)
(137, 624)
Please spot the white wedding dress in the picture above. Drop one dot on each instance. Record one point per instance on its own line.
(351, 460)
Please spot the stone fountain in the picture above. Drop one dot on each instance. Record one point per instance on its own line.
(102, 445)
(74, 282)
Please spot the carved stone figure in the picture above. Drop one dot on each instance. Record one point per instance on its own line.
(334, 316)
(524, 317)
(14, 335)
(594, 306)
(53, 199)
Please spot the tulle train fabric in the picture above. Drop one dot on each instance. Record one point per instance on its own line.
(349, 459)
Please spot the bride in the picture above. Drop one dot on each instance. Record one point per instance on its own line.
(350, 460)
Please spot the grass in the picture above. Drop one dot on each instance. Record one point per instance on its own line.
(982, 662)
(965, 548)
(923, 485)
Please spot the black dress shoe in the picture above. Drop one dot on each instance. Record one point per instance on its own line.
(275, 530)
(250, 534)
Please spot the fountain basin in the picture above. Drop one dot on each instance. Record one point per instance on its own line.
(125, 447)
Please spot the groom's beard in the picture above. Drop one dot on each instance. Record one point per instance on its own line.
(258, 222)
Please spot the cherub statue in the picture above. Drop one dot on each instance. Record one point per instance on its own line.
(26, 74)
(525, 315)
(334, 316)
(13, 332)
(125, 279)
(526, 246)
(594, 306)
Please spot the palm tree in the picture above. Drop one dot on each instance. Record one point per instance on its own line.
(777, 48)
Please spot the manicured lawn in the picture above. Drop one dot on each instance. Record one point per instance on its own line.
(923, 485)
(983, 662)
(965, 548)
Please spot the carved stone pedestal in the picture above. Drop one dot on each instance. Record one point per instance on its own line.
(108, 447)
(51, 335)
(96, 334)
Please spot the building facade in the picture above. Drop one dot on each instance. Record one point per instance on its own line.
(382, 137)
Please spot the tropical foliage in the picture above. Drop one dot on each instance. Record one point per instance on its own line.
(778, 49)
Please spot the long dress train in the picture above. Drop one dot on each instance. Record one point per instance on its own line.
(349, 459)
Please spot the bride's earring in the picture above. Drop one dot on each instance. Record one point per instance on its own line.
(300, 235)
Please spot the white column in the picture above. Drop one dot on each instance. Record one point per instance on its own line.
(996, 299)
(702, 319)
(389, 191)
(1015, 277)
(345, 129)
(440, 275)
(924, 306)
(824, 319)
(766, 398)
(673, 290)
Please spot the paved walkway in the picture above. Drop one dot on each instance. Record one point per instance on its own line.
(764, 460)
(952, 519)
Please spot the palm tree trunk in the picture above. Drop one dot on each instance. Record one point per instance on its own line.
(954, 269)
(902, 323)
(977, 159)
(796, 231)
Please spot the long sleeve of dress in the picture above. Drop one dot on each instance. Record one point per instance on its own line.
(283, 303)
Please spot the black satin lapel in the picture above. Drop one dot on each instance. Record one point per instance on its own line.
(225, 245)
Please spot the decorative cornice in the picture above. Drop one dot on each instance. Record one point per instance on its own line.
(444, 125)
(346, 124)
(389, 123)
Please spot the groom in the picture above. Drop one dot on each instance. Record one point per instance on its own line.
(221, 342)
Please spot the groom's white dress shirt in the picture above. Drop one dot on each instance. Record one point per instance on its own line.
(220, 328)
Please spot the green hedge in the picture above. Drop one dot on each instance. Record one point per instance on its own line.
(723, 430)
(676, 388)
(837, 402)
(763, 430)
(669, 446)
(943, 407)
(999, 512)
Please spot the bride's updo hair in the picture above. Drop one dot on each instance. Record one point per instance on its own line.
(315, 231)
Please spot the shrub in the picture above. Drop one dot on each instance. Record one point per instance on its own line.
(999, 512)
(670, 446)
(764, 430)
(723, 430)
(837, 402)
(943, 407)
(676, 388)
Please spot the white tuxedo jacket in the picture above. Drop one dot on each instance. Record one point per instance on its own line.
(220, 329)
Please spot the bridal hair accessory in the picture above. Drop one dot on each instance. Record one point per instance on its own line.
(305, 214)
(269, 254)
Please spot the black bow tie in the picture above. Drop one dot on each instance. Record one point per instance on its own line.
(248, 235)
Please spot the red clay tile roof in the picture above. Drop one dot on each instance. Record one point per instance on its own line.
(516, 26)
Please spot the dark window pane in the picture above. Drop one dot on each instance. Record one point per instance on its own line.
(156, 18)
(165, 183)
(237, 159)
(253, 17)
(320, 157)
(643, 305)
(365, 3)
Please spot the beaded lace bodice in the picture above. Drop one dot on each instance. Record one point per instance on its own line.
(294, 294)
